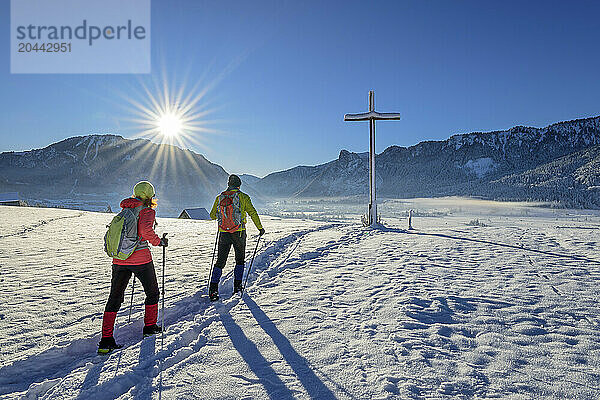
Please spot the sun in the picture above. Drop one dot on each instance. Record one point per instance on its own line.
(169, 125)
(169, 114)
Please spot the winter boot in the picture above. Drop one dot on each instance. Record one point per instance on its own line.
(213, 291)
(237, 286)
(107, 344)
(150, 330)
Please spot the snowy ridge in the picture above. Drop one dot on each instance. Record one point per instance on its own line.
(581, 130)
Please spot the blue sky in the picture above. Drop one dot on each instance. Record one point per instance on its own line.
(282, 75)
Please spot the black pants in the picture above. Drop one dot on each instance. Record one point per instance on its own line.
(226, 240)
(120, 278)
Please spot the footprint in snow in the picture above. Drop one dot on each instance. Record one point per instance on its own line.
(310, 255)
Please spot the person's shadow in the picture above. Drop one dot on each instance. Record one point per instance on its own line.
(314, 386)
(92, 376)
(145, 359)
(275, 387)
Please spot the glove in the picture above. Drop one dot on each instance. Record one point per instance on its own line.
(261, 231)
(164, 242)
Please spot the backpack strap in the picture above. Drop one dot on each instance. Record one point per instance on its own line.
(141, 243)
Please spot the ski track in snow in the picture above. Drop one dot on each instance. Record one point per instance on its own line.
(29, 228)
(449, 311)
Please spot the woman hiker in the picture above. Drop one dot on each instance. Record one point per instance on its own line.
(140, 264)
(230, 209)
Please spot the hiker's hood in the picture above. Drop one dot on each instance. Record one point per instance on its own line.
(131, 202)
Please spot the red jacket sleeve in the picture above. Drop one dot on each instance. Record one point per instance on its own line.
(146, 226)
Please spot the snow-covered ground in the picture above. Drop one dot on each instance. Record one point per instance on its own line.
(480, 301)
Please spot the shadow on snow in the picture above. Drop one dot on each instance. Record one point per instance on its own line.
(311, 382)
(382, 228)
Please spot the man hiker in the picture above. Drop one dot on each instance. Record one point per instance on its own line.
(139, 262)
(230, 209)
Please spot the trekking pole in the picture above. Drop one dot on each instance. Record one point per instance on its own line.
(131, 304)
(213, 258)
(162, 311)
(250, 268)
(162, 316)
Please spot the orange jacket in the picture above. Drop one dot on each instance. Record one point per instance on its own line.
(145, 231)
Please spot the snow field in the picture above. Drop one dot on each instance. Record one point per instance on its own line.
(56, 280)
(506, 308)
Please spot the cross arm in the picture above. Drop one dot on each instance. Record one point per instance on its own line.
(371, 115)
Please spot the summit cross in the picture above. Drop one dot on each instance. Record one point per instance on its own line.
(371, 116)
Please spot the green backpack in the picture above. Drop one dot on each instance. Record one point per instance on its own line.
(122, 238)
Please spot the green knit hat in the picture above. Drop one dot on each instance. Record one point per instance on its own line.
(143, 190)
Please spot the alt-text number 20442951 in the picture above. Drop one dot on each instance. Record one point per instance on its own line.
(27, 47)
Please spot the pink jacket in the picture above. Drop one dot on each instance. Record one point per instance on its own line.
(145, 231)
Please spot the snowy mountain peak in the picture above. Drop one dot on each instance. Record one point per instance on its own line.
(105, 167)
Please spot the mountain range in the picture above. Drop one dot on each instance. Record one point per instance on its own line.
(559, 163)
(95, 171)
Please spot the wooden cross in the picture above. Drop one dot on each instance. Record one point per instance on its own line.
(371, 116)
